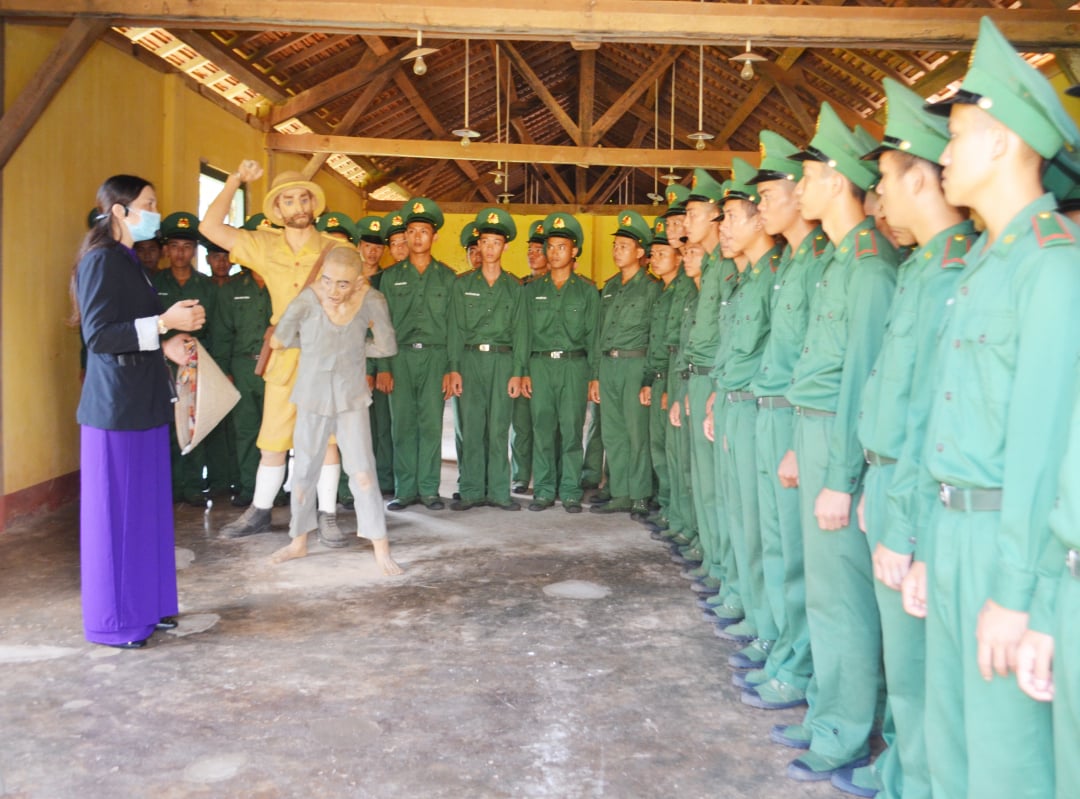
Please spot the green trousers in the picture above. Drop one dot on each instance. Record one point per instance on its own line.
(222, 470)
(703, 486)
(1066, 707)
(247, 418)
(521, 442)
(560, 390)
(740, 421)
(982, 738)
(658, 432)
(485, 410)
(416, 410)
(680, 508)
(593, 468)
(625, 430)
(902, 766)
(845, 631)
(782, 550)
(381, 440)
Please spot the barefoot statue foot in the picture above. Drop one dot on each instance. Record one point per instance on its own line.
(297, 548)
(382, 557)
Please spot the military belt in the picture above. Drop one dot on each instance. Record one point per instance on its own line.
(698, 370)
(970, 499)
(559, 354)
(419, 345)
(799, 409)
(1072, 562)
(877, 460)
(624, 353)
(739, 396)
(489, 347)
(658, 376)
(773, 402)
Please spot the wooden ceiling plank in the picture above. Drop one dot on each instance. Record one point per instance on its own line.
(560, 186)
(806, 121)
(635, 141)
(645, 114)
(273, 48)
(542, 92)
(586, 95)
(224, 57)
(881, 66)
(35, 97)
(645, 81)
(369, 67)
(286, 63)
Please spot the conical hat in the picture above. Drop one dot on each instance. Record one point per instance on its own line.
(204, 397)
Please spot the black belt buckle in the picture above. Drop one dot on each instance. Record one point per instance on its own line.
(557, 354)
(417, 345)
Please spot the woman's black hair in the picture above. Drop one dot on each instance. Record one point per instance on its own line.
(119, 189)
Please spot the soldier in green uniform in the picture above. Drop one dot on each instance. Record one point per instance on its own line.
(620, 346)
(241, 316)
(222, 470)
(521, 432)
(182, 281)
(396, 245)
(664, 265)
(148, 252)
(742, 345)
(783, 680)
(847, 315)
(893, 419)
(485, 309)
(417, 379)
(1004, 383)
(469, 239)
(555, 358)
(338, 225)
(703, 214)
(372, 243)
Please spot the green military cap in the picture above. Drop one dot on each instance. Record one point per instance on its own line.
(777, 162)
(536, 232)
(739, 187)
(371, 229)
(422, 209)
(210, 247)
(496, 220)
(470, 234)
(259, 222)
(335, 222)
(868, 143)
(704, 188)
(394, 222)
(565, 226)
(836, 146)
(659, 231)
(1062, 179)
(180, 225)
(633, 225)
(1014, 93)
(676, 195)
(909, 127)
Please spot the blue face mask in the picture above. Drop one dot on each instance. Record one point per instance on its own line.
(147, 226)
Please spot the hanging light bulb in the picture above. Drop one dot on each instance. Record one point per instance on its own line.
(747, 59)
(747, 71)
(700, 136)
(466, 133)
(419, 66)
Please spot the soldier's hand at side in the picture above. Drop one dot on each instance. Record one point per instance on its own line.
(890, 567)
(675, 415)
(513, 387)
(663, 401)
(913, 590)
(832, 509)
(645, 395)
(998, 632)
(594, 391)
(709, 404)
(526, 387)
(1035, 665)
(370, 382)
(451, 385)
(709, 426)
(860, 512)
(384, 382)
(249, 170)
(788, 470)
(179, 349)
(185, 315)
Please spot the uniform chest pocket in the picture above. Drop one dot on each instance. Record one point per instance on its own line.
(574, 318)
(989, 339)
(746, 324)
(901, 325)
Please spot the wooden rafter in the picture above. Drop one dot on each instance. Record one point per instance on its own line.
(223, 55)
(285, 64)
(586, 95)
(644, 82)
(543, 93)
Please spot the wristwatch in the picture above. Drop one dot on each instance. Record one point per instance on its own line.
(162, 328)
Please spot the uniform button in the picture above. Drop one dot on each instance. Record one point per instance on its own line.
(789, 306)
(806, 349)
(873, 372)
(956, 344)
(964, 290)
(829, 314)
(948, 395)
(982, 338)
(940, 447)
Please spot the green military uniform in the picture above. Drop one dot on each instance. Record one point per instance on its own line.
(188, 480)
(1005, 383)
(468, 237)
(621, 344)
(337, 223)
(419, 304)
(241, 317)
(846, 326)
(682, 521)
(787, 670)
(481, 349)
(892, 426)
(557, 355)
(521, 431)
(222, 467)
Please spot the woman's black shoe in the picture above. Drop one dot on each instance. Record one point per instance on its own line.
(167, 623)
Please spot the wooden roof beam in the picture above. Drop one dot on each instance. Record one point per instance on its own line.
(542, 92)
(20, 116)
(586, 95)
(644, 82)
(223, 55)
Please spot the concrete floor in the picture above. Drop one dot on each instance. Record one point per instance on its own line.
(468, 676)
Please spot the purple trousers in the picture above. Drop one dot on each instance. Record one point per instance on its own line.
(128, 559)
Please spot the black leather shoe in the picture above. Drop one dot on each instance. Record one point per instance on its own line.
(541, 504)
(508, 505)
(433, 503)
(466, 504)
(572, 506)
(129, 645)
(520, 488)
(401, 503)
(167, 623)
